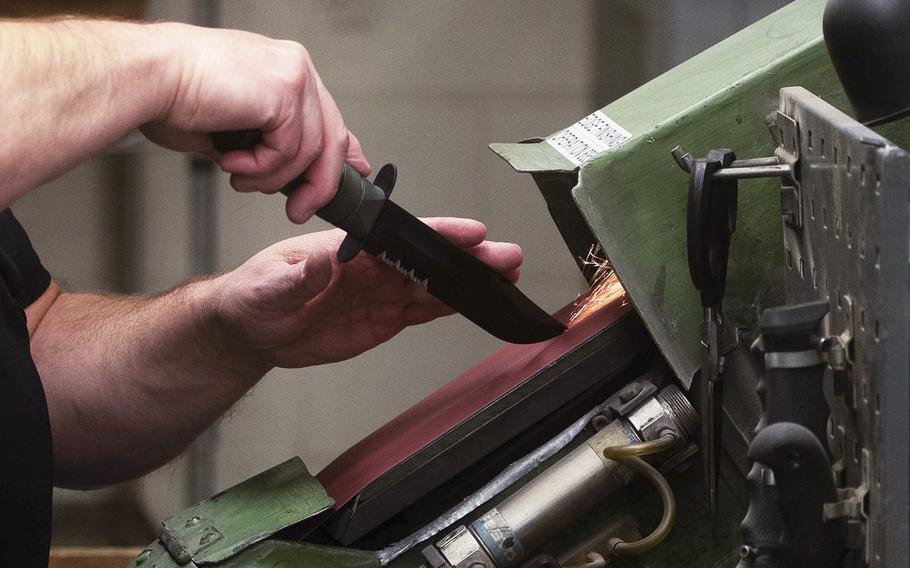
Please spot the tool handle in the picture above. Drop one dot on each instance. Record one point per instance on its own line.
(354, 206)
(763, 527)
(797, 395)
(802, 475)
(792, 389)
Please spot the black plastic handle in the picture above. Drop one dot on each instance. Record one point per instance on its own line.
(354, 207)
(802, 474)
(791, 391)
(763, 527)
(710, 223)
(797, 395)
(792, 388)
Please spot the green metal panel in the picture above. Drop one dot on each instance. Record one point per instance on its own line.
(154, 556)
(533, 157)
(634, 196)
(223, 525)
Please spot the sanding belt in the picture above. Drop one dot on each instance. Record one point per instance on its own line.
(461, 398)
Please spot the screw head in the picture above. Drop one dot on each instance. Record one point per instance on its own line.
(746, 552)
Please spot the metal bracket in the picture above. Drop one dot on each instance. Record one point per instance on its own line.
(838, 352)
(629, 398)
(852, 505)
(785, 132)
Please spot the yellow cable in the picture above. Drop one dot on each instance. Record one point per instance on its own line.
(665, 441)
(628, 455)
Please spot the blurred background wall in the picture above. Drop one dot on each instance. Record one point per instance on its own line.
(424, 84)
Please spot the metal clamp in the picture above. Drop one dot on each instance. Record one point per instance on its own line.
(782, 165)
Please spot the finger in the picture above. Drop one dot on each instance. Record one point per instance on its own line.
(323, 174)
(502, 257)
(513, 276)
(287, 150)
(465, 233)
(355, 156)
(253, 168)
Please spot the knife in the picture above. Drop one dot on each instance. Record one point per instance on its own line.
(378, 226)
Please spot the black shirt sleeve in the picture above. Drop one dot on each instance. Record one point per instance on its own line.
(20, 268)
(26, 452)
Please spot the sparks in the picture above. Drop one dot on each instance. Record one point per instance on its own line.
(605, 287)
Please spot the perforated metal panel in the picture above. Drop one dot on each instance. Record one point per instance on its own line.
(847, 241)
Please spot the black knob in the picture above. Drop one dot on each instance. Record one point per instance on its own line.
(868, 43)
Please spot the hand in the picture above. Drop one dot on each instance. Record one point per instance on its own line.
(294, 305)
(233, 80)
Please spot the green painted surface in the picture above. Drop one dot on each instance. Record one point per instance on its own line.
(154, 556)
(530, 158)
(634, 196)
(229, 522)
(281, 554)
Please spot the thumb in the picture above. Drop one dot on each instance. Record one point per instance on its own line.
(301, 281)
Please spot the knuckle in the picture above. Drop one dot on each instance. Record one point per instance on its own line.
(292, 65)
(299, 62)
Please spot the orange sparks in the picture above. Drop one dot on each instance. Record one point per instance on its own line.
(605, 287)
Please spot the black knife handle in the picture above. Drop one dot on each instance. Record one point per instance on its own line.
(804, 484)
(791, 391)
(355, 205)
(796, 395)
(762, 528)
(792, 387)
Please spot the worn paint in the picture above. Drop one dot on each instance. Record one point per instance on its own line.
(227, 523)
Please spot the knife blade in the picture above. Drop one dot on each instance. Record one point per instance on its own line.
(380, 227)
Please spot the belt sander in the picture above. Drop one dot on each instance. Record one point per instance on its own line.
(732, 391)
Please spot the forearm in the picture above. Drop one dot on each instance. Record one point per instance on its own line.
(71, 87)
(130, 381)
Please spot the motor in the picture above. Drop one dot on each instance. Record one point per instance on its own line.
(506, 535)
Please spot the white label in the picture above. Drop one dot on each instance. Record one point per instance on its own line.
(590, 136)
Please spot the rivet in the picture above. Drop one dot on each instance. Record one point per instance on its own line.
(192, 521)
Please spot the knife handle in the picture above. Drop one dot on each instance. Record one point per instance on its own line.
(353, 208)
(791, 392)
(792, 388)
(804, 484)
(763, 527)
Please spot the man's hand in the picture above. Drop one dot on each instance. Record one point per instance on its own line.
(232, 80)
(72, 87)
(294, 304)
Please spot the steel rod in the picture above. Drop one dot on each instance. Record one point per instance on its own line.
(752, 172)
